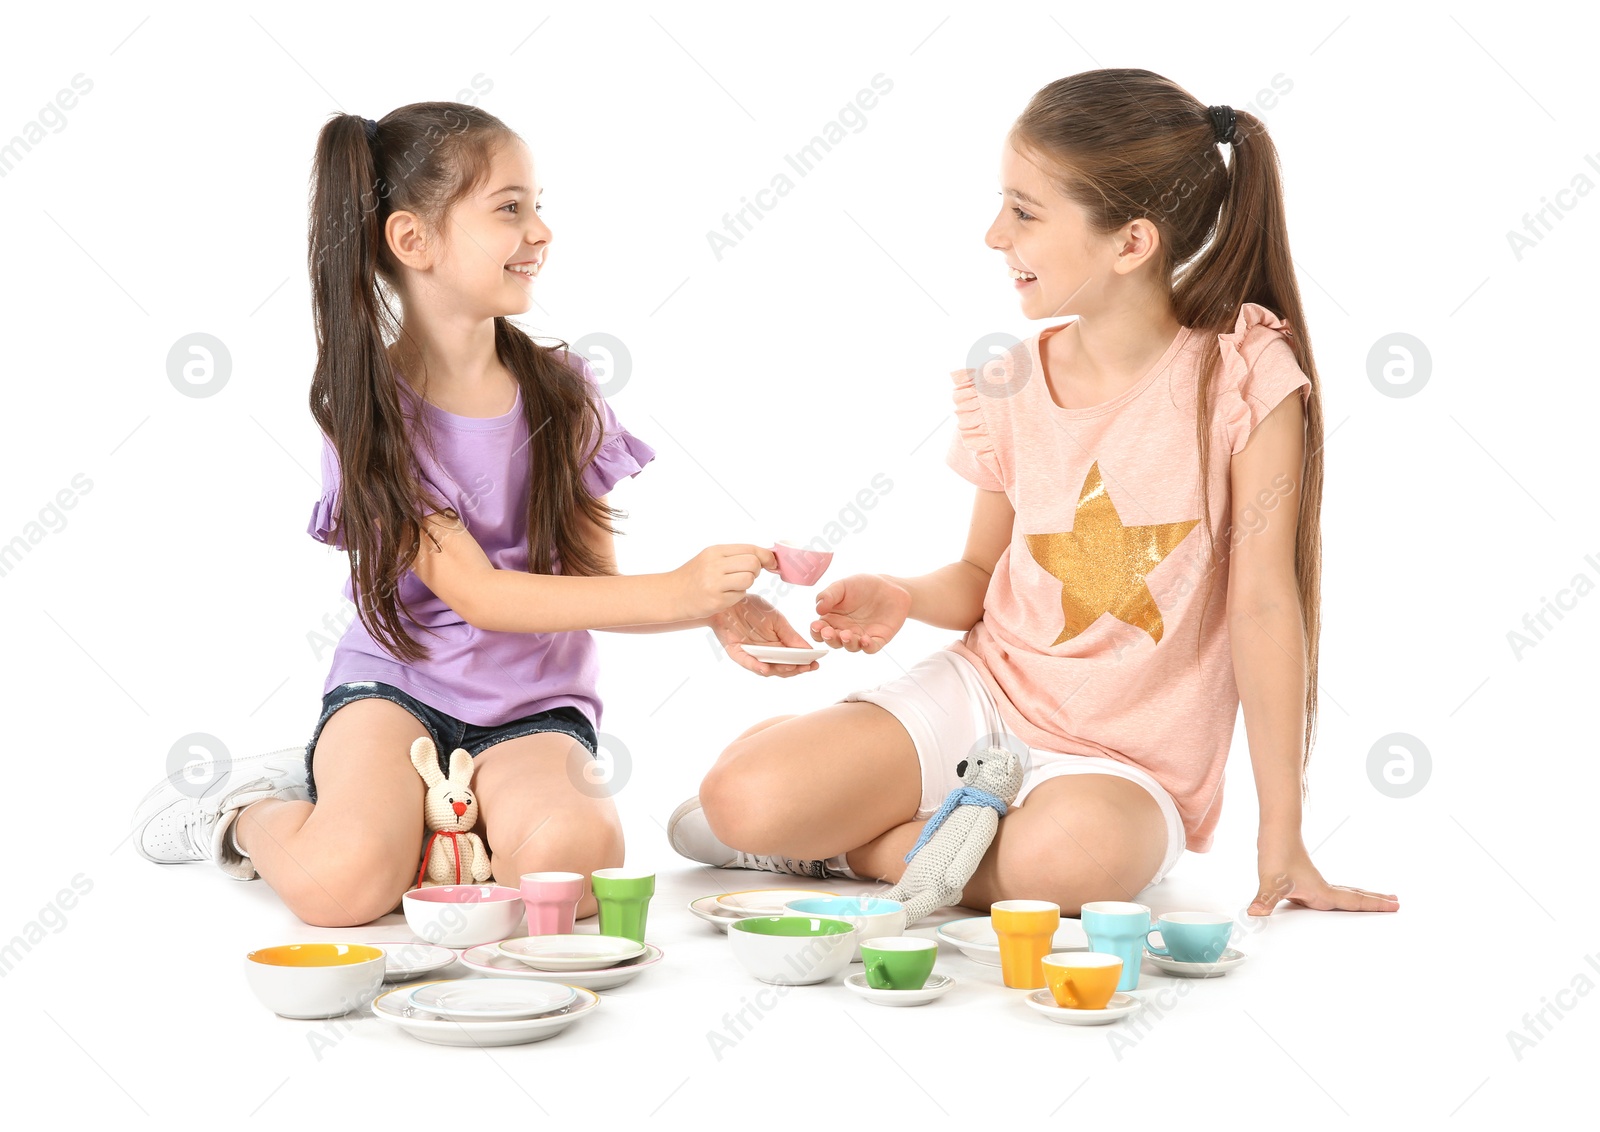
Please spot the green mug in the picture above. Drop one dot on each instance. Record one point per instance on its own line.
(624, 898)
(898, 962)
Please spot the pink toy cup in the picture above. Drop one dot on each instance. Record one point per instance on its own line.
(552, 901)
(801, 567)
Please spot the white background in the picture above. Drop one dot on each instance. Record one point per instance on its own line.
(179, 592)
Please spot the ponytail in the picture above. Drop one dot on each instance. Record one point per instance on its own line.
(423, 159)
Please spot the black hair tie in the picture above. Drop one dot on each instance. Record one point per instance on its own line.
(1222, 122)
(372, 129)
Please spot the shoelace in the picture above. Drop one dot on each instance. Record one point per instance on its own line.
(194, 831)
(817, 869)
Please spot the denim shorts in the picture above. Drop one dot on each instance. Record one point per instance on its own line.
(448, 732)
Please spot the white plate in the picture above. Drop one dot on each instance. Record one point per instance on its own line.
(762, 901)
(486, 960)
(1225, 963)
(706, 908)
(410, 960)
(976, 939)
(1120, 1006)
(491, 999)
(570, 952)
(394, 1009)
(775, 654)
(937, 984)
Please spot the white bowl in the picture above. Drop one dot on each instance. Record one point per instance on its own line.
(315, 980)
(872, 916)
(463, 915)
(817, 955)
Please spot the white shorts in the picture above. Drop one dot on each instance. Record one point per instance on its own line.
(947, 709)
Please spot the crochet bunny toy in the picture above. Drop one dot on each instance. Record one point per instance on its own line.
(958, 834)
(452, 854)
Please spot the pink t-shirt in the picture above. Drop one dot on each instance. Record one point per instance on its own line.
(1091, 638)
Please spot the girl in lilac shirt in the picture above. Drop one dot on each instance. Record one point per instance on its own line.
(489, 457)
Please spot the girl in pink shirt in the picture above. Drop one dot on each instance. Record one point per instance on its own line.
(1143, 553)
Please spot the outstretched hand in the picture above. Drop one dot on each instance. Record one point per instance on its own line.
(1289, 875)
(861, 613)
(753, 621)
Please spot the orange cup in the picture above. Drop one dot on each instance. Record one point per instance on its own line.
(1082, 980)
(1026, 929)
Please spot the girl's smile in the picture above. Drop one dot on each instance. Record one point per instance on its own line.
(525, 270)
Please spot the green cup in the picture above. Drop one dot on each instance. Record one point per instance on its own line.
(898, 962)
(624, 897)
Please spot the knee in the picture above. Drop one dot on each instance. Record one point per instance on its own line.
(737, 803)
(1070, 868)
(579, 842)
(357, 890)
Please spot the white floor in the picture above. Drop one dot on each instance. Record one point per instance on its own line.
(138, 1004)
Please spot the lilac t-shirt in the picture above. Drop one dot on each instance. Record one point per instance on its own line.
(477, 675)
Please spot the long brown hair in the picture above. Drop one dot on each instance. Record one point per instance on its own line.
(425, 158)
(1125, 143)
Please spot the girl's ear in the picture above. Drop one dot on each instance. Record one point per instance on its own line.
(460, 767)
(425, 757)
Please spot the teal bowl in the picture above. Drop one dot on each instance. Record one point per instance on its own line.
(872, 916)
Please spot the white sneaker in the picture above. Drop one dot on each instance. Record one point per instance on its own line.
(172, 826)
(691, 837)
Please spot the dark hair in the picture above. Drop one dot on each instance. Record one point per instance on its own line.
(425, 158)
(1126, 143)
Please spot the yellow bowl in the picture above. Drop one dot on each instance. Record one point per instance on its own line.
(315, 980)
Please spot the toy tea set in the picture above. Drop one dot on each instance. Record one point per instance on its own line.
(526, 988)
(796, 936)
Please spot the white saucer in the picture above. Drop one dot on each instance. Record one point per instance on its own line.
(1229, 959)
(570, 952)
(975, 937)
(936, 986)
(490, 999)
(1120, 1006)
(762, 901)
(486, 960)
(706, 908)
(393, 1008)
(412, 960)
(775, 654)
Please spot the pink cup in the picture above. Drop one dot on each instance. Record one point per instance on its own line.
(801, 567)
(552, 901)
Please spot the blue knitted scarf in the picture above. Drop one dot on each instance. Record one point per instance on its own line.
(961, 796)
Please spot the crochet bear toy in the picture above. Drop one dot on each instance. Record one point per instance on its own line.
(957, 836)
(453, 854)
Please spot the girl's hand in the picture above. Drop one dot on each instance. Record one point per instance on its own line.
(1288, 873)
(861, 613)
(716, 579)
(753, 621)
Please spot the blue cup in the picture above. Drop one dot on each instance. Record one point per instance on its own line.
(1118, 927)
(1191, 937)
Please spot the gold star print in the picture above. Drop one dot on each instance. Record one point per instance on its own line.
(1102, 564)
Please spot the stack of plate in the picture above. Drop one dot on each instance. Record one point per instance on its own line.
(723, 908)
(597, 962)
(484, 1011)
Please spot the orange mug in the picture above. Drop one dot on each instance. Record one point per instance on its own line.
(1026, 930)
(1082, 980)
